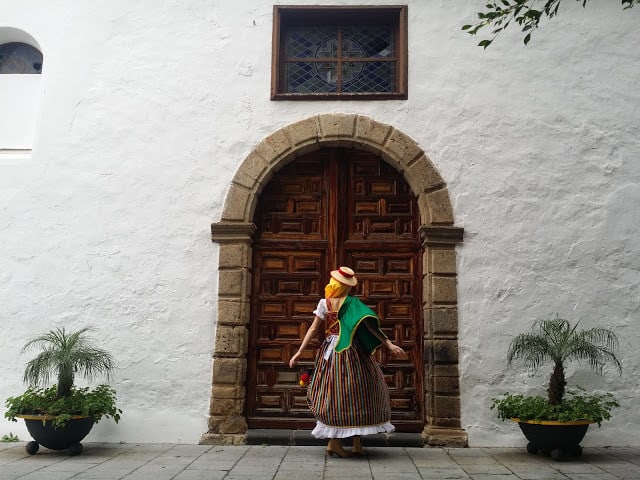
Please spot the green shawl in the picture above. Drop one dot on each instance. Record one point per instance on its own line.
(351, 314)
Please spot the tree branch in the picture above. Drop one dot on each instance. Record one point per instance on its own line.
(500, 13)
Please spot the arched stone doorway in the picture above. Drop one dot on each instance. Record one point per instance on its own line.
(227, 422)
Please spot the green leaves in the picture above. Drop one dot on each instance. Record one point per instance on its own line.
(577, 407)
(556, 340)
(9, 438)
(63, 354)
(499, 14)
(97, 403)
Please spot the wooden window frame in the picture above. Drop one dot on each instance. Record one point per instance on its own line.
(284, 15)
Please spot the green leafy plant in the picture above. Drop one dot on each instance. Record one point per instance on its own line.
(576, 407)
(557, 341)
(526, 13)
(64, 355)
(97, 403)
(9, 438)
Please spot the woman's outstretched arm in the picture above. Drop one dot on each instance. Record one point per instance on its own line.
(312, 332)
(392, 347)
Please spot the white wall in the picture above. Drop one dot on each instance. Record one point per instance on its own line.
(19, 96)
(148, 108)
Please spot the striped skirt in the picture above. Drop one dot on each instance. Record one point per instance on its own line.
(347, 393)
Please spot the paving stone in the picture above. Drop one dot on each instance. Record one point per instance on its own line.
(576, 466)
(300, 475)
(17, 469)
(488, 469)
(69, 466)
(442, 473)
(206, 464)
(626, 472)
(249, 477)
(390, 469)
(300, 466)
(538, 473)
(434, 462)
(341, 476)
(592, 476)
(105, 473)
(201, 475)
(489, 476)
(50, 476)
(258, 470)
(195, 462)
(396, 476)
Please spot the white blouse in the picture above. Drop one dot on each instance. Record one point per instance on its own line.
(321, 310)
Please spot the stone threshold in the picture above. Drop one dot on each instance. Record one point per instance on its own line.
(304, 437)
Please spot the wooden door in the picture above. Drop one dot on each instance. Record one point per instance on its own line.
(329, 208)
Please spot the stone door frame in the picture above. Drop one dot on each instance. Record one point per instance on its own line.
(234, 232)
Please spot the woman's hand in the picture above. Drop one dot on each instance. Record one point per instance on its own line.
(294, 360)
(394, 349)
(315, 327)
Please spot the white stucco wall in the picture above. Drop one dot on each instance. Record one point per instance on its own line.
(19, 99)
(148, 109)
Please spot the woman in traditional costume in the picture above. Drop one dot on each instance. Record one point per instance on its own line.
(347, 393)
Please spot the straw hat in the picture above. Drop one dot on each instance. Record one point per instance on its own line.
(345, 275)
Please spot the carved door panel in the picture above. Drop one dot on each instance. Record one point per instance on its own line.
(382, 246)
(329, 208)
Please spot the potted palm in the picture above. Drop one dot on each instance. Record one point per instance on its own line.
(60, 416)
(558, 423)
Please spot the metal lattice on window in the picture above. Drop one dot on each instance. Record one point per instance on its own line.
(350, 59)
(350, 53)
(20, 58)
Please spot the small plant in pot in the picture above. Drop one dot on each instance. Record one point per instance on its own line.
(60, 416)
(557, 424)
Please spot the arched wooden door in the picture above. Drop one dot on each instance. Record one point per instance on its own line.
(332, 207)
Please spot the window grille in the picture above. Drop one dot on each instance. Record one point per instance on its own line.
(339, 52)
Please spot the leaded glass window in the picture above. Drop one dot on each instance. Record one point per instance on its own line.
(20, 58)
(339, 52)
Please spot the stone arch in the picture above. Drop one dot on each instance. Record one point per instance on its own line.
(234, 232)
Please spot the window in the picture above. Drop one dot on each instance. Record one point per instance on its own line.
(339, 53)
(20, 58)
(20, 88)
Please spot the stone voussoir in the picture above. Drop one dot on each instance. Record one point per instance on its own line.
(251, 171)
(439, 205)
(402, 148)
(236, 203)
(337, 126)
(280, 143)
(370, 132)
(422, 176)
(303, 132)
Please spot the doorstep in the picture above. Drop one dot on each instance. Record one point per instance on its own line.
(269, 436)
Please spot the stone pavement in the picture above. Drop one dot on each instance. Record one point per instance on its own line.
(205, 462)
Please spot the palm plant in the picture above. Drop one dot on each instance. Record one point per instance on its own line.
(560, 342)
(65, 354)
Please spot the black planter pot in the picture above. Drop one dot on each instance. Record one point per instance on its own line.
(561, 440)
(60, 438)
